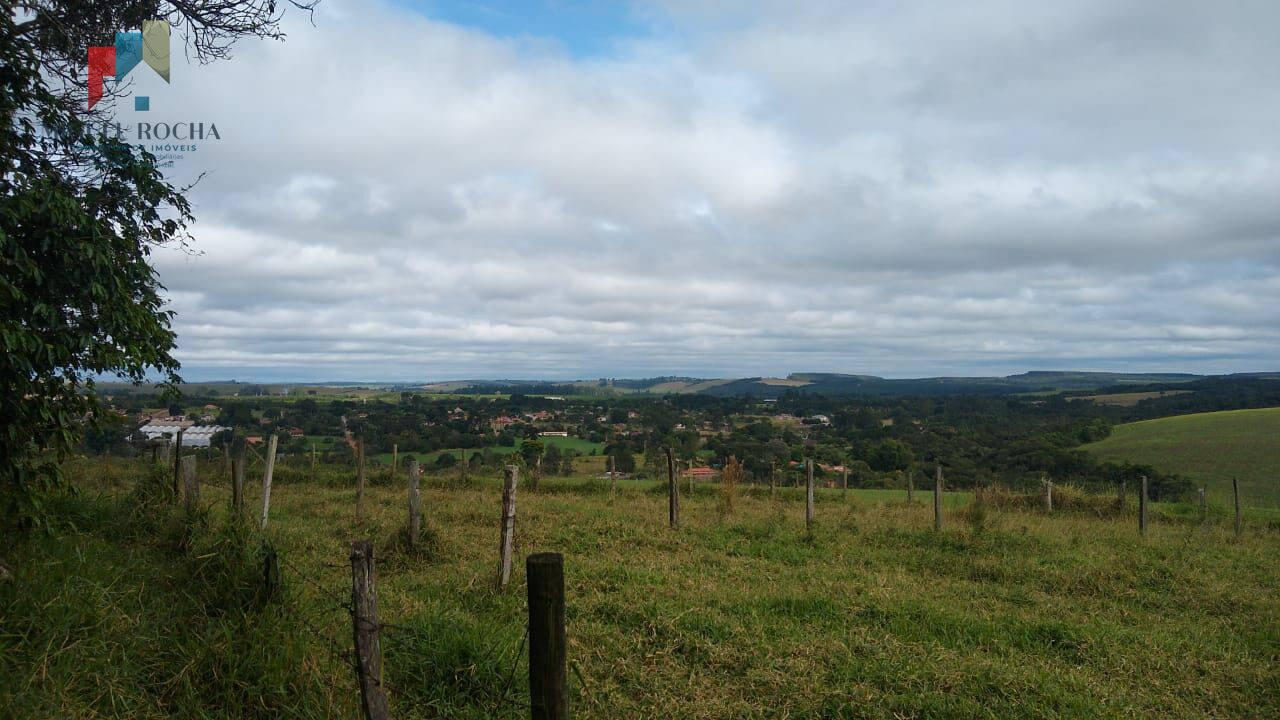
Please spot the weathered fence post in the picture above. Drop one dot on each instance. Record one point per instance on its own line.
(463, 474)
(548, 669)
(613, 475)
(272, 582)
(536, 480)
(507, 523)
(1048, 494)
(190, 484)
(844, 481)
(266, 479)
(1204, 508)
(1142, 507)
(359, 480)
(395, 457)
(415, 504)
(937, 497)
(177, 461)
(911, 486)
(313, 462)
(364, 620)
(808, 496)
(237, 483)
(773, 478)
(1235, 490)
(673, 491)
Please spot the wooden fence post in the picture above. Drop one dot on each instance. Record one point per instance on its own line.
(613, 475)
(395, 457)
(364, 621)
(673, 491)
(237, 482)
(773, 478)
(266, 478)
(1142, 507)
(911, 486)
(1204, 508)
(808, 496)
(1048, 494)
(313, 462)
(272, 582)
(1235, 490)
(937, 497)
(359, 480)
(177, 461)
(463, 466)
(844, 481)
(507, 523)
(548, 671)
(190, 484)
(415, 504)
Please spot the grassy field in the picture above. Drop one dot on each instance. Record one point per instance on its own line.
(1130, 399)
(137, 614)
(578, 445)
(1209, 448)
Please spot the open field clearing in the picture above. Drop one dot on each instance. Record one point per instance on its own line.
(1210, 448)
(1001, 614)
(1130, 399)
(584, 448)
(681, 386)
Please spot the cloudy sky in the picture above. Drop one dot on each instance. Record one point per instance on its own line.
(562, 189)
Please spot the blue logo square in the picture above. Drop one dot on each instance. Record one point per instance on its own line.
(141, 103)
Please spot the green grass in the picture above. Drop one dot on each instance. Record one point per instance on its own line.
(1005, 614)
(578, 445)
(1210, 449)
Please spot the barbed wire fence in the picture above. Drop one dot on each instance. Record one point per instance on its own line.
(324, 632)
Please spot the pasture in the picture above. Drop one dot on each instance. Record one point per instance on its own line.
(1130, 399)
(1210, 449)
(737, 614)
(584, 448)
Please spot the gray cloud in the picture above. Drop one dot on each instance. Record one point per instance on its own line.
(850, 187)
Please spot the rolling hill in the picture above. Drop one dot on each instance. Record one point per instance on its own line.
(1210, 448)
(836, 384)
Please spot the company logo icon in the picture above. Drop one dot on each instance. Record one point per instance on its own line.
(151, 46)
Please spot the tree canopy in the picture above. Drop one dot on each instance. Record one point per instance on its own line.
(80, 212)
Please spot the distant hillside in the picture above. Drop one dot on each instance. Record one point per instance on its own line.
(831, 384)
(1039, 381)
(1210, 448)
(828, 384)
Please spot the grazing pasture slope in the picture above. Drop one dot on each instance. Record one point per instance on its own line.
(1001, 614)
(1209, 448)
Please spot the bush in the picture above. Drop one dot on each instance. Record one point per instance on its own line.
(1067, 497)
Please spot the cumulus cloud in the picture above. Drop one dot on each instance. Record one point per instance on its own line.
(856, 187)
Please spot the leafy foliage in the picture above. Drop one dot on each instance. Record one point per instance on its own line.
(78, 296)
(80, 211)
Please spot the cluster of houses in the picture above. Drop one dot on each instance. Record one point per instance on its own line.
(501, 422)
(159, 425)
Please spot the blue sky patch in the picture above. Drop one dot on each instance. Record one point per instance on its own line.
(585, 29)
